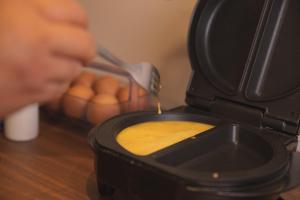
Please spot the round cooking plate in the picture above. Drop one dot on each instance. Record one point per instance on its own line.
(214, 159)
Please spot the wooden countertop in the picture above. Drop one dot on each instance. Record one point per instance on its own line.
(58, 165)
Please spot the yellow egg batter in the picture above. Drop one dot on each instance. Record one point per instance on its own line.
(149, 137)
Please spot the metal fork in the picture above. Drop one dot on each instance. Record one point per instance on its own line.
(144, 74)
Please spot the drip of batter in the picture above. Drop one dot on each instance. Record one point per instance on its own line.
(159, 111)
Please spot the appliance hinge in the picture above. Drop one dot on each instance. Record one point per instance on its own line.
(280, 125)
(238, 112)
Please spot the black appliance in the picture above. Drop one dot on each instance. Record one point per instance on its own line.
(245, 56)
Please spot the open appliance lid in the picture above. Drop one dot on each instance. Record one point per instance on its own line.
(248, 52)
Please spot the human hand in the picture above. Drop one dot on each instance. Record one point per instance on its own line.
(43, 45)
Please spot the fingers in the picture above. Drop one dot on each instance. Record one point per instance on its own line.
(61, 72)
(73, 42)
(51, 92)
(63, 69)
(65, 11)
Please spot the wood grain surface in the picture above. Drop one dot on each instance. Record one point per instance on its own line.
(58, 165)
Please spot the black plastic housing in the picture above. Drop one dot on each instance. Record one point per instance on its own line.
(252, 163)
(245, 81)
(247, 52)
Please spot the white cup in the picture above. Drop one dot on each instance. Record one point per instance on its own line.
(22, 125)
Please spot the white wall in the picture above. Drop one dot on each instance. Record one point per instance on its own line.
(147, 30)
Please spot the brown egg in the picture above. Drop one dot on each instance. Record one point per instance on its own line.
(76, 99)
(142, 92)
(85, 78)
(107, 85)
(102, 107)
(123, 94)
(138, 98)
(143, 99)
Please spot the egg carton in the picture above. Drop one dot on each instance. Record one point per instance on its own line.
(96, 96)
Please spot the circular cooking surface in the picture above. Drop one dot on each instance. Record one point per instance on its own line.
(226, 156)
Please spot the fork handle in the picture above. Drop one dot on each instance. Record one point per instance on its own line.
(108, 56)
(110, 69)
